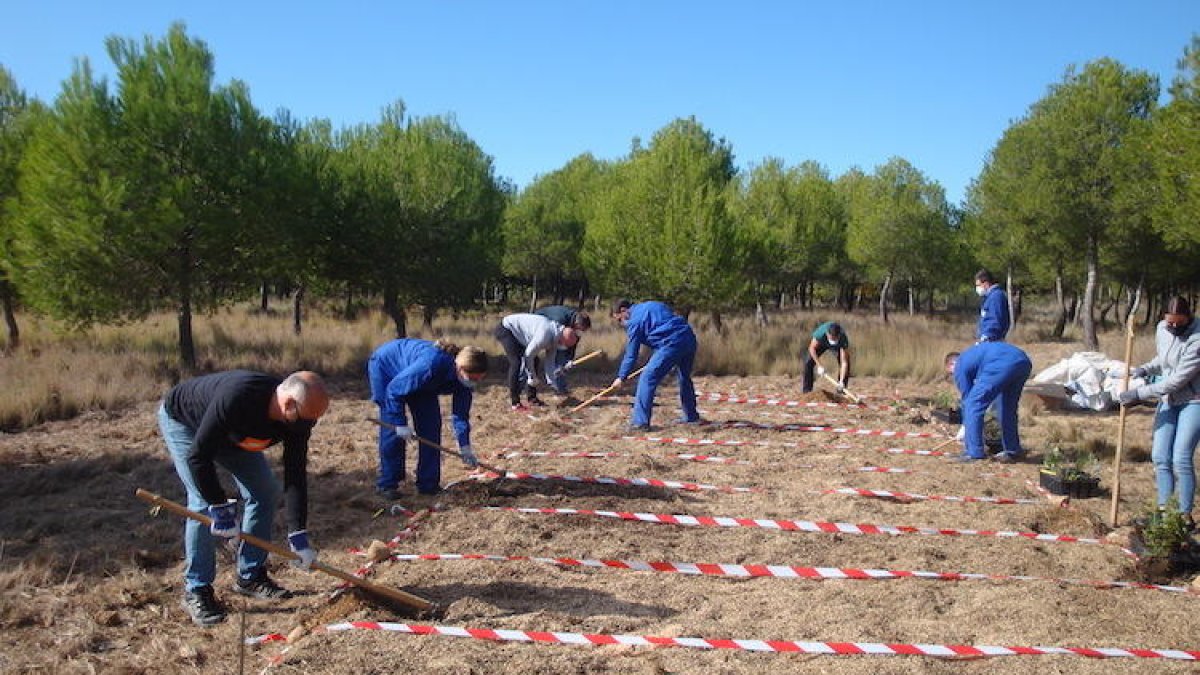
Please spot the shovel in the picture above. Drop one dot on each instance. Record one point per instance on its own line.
(441, 448)
(576, 362)
(605, 392)
(846, 392)
(391, 596)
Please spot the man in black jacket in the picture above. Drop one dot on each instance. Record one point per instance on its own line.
(230, 418)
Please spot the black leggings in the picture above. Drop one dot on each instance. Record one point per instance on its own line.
(515, 351)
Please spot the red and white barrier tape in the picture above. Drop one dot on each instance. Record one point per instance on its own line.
(740, 424)
(780, 571)
(781, 646)
(561, 454)
(906, 496)
(882, 469)
(639, 482)
(713, 459)
(762, 400)
(908, 451)
(797, 525)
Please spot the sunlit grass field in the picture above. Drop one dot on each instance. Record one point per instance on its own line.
(57, 374)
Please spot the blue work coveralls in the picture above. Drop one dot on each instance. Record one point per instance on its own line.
(413, 373)
(674, 344)
(993, 316)
(986, 372)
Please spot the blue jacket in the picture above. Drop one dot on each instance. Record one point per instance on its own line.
(993, 315)
(418, 368)
(987, 362)
(654, 324)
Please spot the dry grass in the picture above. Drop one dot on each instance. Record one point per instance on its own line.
(108, 368)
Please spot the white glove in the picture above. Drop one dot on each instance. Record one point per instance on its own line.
(961, 433)
(298, 542)
(820, 370)
(224, 519)
(468, 456)
(530, 382)
(403, 432)
(841, 388)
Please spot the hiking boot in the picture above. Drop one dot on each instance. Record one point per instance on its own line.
(262, 587)
(202, 607)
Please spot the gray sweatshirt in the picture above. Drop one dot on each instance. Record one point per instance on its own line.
(1178, 362)
(539, 335)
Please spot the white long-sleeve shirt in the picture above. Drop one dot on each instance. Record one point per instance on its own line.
(539, 335)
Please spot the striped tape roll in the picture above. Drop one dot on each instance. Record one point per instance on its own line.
(906, 496)
(780, 571)
(797, 525)
(781, 646)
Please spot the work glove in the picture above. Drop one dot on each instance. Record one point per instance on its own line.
(820, 370)
(468, 456)
(616, 384)
(841, 387)
(298, 542)
(224, 519)
(1128, 397)
(403, 432)
(562, 370)
(1134, 373)
(961, 433)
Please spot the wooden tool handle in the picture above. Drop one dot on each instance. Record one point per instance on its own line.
(605, 392)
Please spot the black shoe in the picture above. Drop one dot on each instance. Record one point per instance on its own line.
(389, 494)
(964, 459)
(202, 607)
(696, 422)
(261, 587)
(637, 428)
(536, 402)
(1006, 458)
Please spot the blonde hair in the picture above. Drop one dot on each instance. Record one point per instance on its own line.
(472, 360)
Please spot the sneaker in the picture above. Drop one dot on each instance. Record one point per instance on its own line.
(202, 607)
(520, 408)
(535, 401)
(964, 459)
(637, 428)
(1006, 458)
(696, 422)
(262, 587)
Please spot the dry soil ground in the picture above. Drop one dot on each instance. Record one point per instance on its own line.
(90, 582)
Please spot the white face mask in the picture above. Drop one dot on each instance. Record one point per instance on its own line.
(980, 291)
(833, 342)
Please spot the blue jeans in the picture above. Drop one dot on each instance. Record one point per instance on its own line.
(1176, 432)
(683, 355)
(260, 493)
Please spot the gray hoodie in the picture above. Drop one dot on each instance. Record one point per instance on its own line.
(1178, 362)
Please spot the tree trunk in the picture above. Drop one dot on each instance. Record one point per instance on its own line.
(187, 344)
(1107, 306)
(427, 314)
(1092, 259)
(297, 314)
(1008, 296)
(883, 297)
(533, 296)
(1133, 303)
(718, 324)
(392, 308)
(264, 297)
(1060, 322)
(8, 299)
(912, 301)
(760, 314)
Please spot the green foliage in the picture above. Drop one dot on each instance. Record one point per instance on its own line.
(662, 226)
(1166, 530)
(1070, 465)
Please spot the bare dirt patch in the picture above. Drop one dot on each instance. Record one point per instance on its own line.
(89, 582)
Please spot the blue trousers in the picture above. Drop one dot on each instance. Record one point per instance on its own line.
(1001, 383)
(260, 493)
(681, 355)
(427, 423)
(1176, 432)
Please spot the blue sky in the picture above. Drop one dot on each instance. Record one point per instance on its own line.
(538, 83)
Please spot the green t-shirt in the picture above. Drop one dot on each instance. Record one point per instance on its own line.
(821, 335)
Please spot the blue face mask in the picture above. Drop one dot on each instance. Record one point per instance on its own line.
(466, 382)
